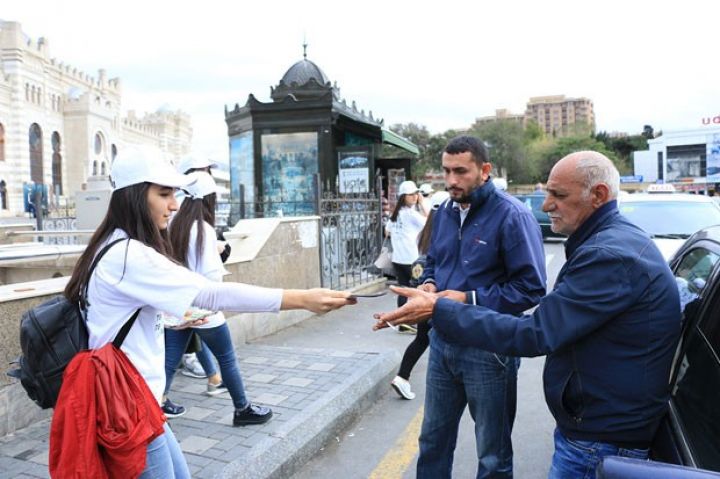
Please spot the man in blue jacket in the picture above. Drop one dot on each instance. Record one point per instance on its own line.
(485, 249)
(609, 328)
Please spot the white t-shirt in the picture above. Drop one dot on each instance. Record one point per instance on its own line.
(404, 234)
(208, 264)
(131, 276)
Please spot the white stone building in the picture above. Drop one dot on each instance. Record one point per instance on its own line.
(687, 159)
(59, 126)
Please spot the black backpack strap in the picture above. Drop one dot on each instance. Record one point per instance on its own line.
(117, 342)
(83, 295)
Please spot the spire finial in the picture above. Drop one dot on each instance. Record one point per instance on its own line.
(305, 45)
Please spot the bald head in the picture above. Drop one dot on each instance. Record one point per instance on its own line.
(578, 185)
(590, 168)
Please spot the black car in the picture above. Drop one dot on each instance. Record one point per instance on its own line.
(534, 202)
(689, 435)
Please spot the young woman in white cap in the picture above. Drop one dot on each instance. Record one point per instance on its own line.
(401, 382)
(192, 236)
(405, 224)
(140, 274)
(197, 361)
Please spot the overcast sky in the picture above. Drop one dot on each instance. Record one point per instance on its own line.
(440, 64)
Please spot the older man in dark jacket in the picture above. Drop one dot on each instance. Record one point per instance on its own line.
(609, 328)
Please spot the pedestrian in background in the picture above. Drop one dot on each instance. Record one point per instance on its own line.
(401, 382)
(426, 192)
(486, 245)
(405, 225)
(197, 362)
(609, 328)
(141, 274)
(194, 245)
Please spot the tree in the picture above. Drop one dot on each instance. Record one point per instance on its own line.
(508, 143)
(624, 146)
(430, 146)
(548, 152)
(648, 132)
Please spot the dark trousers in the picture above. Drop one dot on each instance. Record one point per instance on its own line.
(402, 274)
(415, 349)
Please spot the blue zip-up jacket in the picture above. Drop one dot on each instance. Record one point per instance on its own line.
(609, 329)
(496, 258)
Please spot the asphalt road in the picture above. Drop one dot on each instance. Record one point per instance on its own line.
(383, 442)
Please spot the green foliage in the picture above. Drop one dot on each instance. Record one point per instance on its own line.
(624, 146)
(547, 153)
(430, 146)
(505, 142)
(524, 154)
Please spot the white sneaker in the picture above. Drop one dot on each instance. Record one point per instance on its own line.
(402, 387)
(192, 367)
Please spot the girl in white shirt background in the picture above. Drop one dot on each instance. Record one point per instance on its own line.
(140, 273)
(405, 225)
(194, 244)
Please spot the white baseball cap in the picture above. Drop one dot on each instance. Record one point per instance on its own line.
(426, 189)
(140, 164)
(203, 186)
(190, 162)
(438, 198)
(407, 188)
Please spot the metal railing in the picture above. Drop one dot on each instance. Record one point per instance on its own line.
(350, 237)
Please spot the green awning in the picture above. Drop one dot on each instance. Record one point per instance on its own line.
(393, 138)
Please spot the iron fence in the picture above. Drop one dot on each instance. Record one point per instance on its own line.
(350, 238)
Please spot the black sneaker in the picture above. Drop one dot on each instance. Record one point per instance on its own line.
(253, 414)
(171, 409)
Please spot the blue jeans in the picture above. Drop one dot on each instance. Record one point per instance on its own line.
(487, 383)
(206, 361)
(574, 459)
(218, 341)
(165, 459)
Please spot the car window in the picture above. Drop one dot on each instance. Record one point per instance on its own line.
(670, 217)
(693, 272)
(696, 391)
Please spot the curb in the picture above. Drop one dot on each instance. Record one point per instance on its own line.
(294, 443)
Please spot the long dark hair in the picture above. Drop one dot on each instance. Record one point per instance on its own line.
(400, 203)
(192, 211)
(425, 234)
(128, 211)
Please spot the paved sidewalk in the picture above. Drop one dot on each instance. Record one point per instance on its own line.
(314, 393)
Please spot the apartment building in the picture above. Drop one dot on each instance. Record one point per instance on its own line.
(560, 116)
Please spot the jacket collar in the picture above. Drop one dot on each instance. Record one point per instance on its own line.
(479, 196)
(592, 224)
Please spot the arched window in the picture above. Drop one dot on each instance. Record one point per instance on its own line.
(113, 152)
(36, 154)
(103, 168)
(2, 142)
(99, 144)
(95, 170)
(3, 195)
(56, 164)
